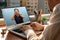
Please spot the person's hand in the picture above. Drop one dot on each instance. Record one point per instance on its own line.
(37, 26)
(12, 18)
(22, 16)
(25, 27)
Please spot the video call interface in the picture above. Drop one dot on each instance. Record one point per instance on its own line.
(15, 15)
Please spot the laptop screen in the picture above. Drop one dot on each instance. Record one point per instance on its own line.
(15, 15)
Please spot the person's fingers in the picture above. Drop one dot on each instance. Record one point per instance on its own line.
(37, 26)
(25, 27)
(33, 24)
(28, 27)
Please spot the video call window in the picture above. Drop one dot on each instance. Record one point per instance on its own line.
(15, 15)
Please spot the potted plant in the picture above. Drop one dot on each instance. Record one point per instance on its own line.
(43, 19)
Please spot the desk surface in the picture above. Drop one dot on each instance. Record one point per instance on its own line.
(11, 36)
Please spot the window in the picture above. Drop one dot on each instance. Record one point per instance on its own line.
(27, 2)
(3, 4)
(28, 6)
(28, 9)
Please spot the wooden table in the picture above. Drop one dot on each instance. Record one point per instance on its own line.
(11, 36)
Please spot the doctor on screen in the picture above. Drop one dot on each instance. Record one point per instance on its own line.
(17, 16)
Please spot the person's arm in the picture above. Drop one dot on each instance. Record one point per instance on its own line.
(42, 37)
(31, 35)
(12, 18)
(46, 33)
(27, 29)
(22, 16)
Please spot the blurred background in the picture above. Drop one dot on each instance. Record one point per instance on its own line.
(31, 5)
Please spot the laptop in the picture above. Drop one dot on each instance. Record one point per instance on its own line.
(9, 12)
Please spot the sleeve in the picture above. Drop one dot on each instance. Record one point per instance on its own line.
(45, 34)
(42, 37)
(31, 35)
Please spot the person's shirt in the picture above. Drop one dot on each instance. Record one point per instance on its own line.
(18, 19)
(52, 32)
